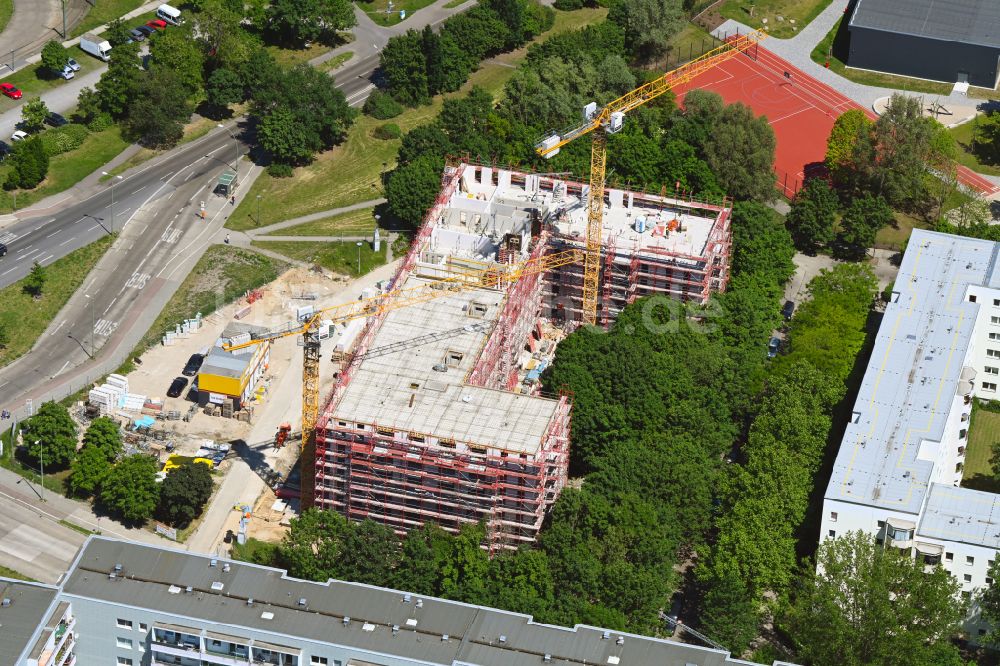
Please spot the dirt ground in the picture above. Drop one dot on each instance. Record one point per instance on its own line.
(277, 307)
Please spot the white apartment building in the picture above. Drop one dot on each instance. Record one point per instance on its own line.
(900, 464)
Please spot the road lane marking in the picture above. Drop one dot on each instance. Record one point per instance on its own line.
(105, 327)
(137, 281)
(67, 241)
(52, 234)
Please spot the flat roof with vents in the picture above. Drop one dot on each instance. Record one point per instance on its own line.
(23, 613)
(447, 632)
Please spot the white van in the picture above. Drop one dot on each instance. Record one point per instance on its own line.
(169, 14)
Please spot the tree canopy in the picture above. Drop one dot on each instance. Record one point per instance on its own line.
(130, 489)
(865, 604)
(184, 492)
(50, 436)
(812, 215)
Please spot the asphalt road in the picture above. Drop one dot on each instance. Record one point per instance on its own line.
(157, 211)
(33, 23)
(32, 541)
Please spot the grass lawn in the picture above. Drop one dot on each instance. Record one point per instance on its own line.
(983, 432)
(377, 9)
(335, 62)
(963, 137)
(355, 223)
(800, 11)
(104, 11)
(6, 11)
(256, 551)
(352, 172)
(7, 572)
(221, 276)
(289, 57)
(25, 318)
(836, 43)
(337, 257)
(55, 481)
(68, 169)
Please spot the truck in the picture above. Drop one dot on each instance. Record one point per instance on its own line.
(95, 46)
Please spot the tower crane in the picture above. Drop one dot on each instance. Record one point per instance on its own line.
(610, 118)
(494, 277)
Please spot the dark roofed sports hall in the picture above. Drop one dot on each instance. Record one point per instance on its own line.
(942, 40)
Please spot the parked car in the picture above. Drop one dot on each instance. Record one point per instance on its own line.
(157, 24)
(177, 387)
(3, 250)
(285, 490)
(145, 30)
(73, 64)
(19, 135)
(67, 73)
(787, 310)
(137, 35)
(10, 90)
(4, 149)
(773, 346)
(193, 365)
(55, 120)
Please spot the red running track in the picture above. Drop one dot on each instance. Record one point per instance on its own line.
(800, 109)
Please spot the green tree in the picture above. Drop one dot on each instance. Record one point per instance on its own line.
(118, 84)
(33, 115)
(157, 114)
(382, 106)
(104, 435)
(861, 222)
(433, 60)
(973, 212)
(259, 73)
(54, 57)
(988, 598)
(176, 51)
(34, 281)
(226, 43)
(412, 188)
(422, 558)
(812, 214)
(184, 492)
(649, 25)
(281, 135)
(870, 605)
(88, 105)
(995, 459)
(740, 150)
(88, 471)
(986, 137)
(118, 33)
(223, 87)
(306, 20)
(130, 489)
(849, 127)
(50, 436)
(728, 610)
(405, 68)
(28, 164)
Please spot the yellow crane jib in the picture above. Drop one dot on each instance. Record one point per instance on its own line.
(611, 118)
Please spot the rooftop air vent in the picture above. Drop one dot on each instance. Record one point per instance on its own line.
(225, 567)
(614, 660)
(6, 602)
(407, 598)
(188, 589)
(217, 586)
(173, 589)
(112, 575)
(346, 620)
(445, 637)
(420, 603)
(411, 622)
(395, 629)
(118, 568)
(213, 563)
(302, 601)
(547, 658)
(606, 635)
(620, 641)
(267, 615)
(503, 639)
(368, 626)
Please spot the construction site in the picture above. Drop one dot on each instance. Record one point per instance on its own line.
(437, 414)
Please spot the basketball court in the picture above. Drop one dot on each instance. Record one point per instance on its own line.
(800, 109)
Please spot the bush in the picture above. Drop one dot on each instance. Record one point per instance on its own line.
(63, 139)
(387, 131)
(382, 106)
(101, 122)
(279, 170)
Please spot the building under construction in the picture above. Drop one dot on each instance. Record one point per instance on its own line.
(435, 416)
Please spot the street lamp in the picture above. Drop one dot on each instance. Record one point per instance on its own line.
(41, 464)
(114, 180)
(93, 324)
(360, 243)
(236, 162)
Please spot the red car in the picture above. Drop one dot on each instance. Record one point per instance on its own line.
(9, 90)
(157, 24)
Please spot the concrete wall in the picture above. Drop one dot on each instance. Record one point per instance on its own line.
(922, 57)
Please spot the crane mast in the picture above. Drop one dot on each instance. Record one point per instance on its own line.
(610, 119)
